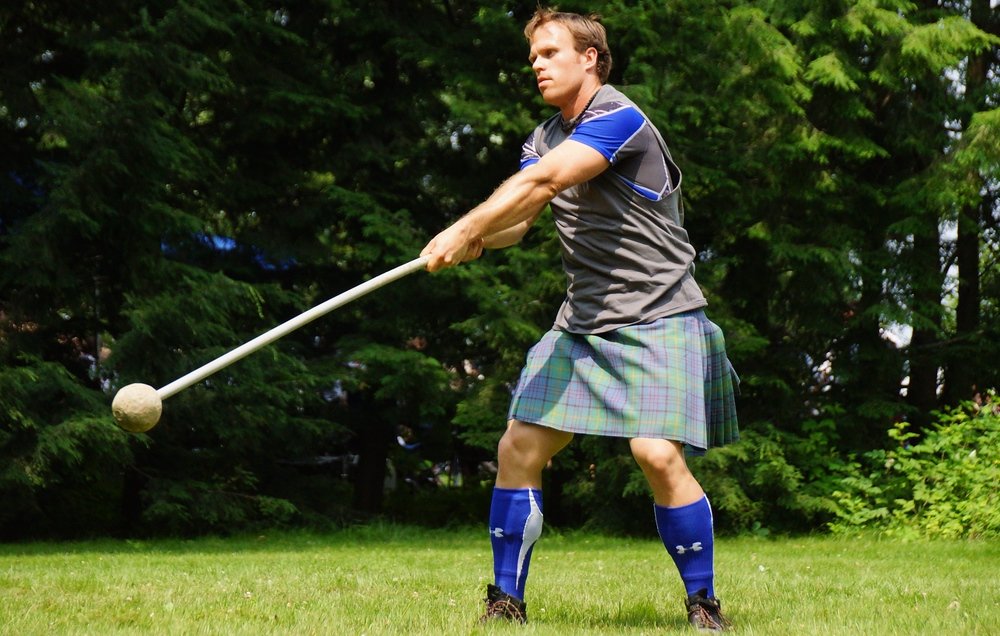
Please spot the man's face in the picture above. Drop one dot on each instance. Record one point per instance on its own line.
(559, 68)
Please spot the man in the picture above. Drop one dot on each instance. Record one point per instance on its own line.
(631, 353)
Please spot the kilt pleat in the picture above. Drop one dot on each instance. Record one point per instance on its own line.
(669, 379)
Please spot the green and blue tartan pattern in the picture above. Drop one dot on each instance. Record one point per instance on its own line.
(669, 379)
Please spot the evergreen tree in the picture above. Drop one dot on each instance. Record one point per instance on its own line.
(181, 177)
(968, 367)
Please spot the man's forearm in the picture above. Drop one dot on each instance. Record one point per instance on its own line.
(508, 237)
(518, 200)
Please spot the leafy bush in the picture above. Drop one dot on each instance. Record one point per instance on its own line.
(773, 480)
(941, 484)
(770, 481)
(187, 508)
(605, 490)
(441, 507)
(59, 452)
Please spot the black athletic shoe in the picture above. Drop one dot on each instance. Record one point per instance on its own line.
(503, 606)
(704, 613)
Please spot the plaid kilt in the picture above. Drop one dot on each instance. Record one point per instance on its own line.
(669, 379)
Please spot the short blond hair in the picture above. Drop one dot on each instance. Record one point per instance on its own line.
(587, 32)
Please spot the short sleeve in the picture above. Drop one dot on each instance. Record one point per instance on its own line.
(610, 133)
(529, 154)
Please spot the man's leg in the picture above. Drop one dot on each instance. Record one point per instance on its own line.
(524, 450)
(516, 510)
(662, 462)
(683, 519)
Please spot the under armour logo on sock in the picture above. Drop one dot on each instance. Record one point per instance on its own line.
(694, 547)
(498, 533)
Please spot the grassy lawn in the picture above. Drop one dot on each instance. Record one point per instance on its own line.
(390, 580)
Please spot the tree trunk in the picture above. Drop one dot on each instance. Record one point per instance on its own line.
(133, 483)
(375, 436)
(963, 372)
(872, 368)
(925, 364)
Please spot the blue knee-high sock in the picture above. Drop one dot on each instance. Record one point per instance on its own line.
(687, 534)
(515, 525)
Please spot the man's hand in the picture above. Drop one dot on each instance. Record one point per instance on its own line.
(452, 246)
(475, 250)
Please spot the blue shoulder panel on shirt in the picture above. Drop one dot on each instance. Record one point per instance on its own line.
(608, 132)
(529, 155)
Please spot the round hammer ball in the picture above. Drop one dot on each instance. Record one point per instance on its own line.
(137, 407)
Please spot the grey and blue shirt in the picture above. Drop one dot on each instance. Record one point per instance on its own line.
(624, 248)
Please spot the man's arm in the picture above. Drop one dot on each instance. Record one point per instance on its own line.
(510, 236)
(498, 240)
(517, 202)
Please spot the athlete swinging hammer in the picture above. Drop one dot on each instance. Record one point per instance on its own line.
(631, 353)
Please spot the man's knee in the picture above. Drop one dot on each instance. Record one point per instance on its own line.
(530, 445)
(511, 448)
(661, 458)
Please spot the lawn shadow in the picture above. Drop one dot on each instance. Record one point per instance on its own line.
(641, 616)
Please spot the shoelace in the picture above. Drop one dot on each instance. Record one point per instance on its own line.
(505, 608)
(709, 619)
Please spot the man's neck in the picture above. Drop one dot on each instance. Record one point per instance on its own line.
(582, 100)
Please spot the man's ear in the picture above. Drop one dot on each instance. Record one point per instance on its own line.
(591, 54)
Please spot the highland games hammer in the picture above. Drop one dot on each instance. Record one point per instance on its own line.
(137, 407)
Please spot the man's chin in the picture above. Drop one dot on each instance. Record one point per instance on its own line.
(550, 97)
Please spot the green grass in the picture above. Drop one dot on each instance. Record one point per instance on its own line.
(390, 580)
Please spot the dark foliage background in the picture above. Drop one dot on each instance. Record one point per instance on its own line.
(180, 176)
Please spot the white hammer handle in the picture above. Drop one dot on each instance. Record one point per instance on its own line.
(287, 327)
